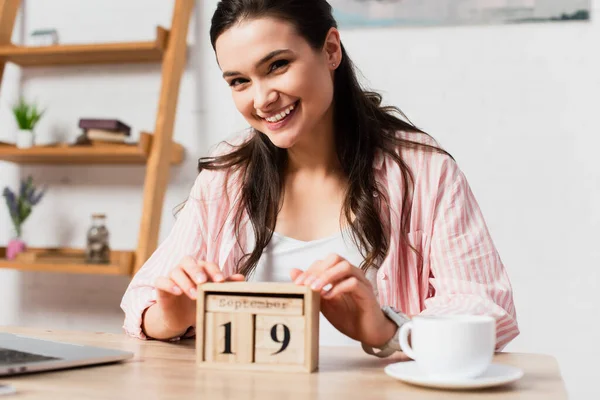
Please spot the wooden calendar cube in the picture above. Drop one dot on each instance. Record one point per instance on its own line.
(279, 340)
(257, 326)
(227, 338)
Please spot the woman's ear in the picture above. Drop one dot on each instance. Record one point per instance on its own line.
(333, 48)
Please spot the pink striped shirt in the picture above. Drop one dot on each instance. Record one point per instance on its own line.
(460, 273)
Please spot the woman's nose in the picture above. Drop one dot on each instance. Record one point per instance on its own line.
(264, 97)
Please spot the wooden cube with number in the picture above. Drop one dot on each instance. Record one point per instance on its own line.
(226, 338)
(278, 339)
(257, 326)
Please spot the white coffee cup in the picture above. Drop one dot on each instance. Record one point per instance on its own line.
(450, 347)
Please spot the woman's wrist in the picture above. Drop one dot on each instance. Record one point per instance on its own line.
(156, 325)
(383, 333)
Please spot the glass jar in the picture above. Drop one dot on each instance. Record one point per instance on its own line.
(97, 250)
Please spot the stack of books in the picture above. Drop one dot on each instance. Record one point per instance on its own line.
(99, 131)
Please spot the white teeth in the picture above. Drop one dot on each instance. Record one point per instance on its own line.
(282, 115)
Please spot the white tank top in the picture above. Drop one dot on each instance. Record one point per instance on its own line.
(284, 253)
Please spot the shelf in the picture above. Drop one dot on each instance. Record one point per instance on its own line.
(74, 54)
(69, 261)
(103, 154)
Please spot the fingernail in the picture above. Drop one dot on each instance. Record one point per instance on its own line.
(219, 277)
(193, 292)
(177, 290)
(200, 277)
(316, 285)
(326, 291)
(309, 280)
(299, 280)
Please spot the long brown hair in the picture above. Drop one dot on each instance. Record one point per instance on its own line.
(362, 126)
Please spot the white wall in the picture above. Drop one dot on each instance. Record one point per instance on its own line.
(127, 92)
(516, 105)
(513, 104)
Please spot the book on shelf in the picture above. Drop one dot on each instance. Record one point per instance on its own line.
(105, 124)
(104, 135)
(83, 140)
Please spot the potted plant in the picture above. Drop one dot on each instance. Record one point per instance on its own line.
(20, 206)
(27, 116)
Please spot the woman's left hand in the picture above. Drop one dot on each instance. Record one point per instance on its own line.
(348, 301)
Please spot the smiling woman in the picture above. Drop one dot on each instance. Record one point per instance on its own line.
(281, 72)
(328, 189)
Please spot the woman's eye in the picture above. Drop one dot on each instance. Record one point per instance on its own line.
(278, 64)
(235, 82)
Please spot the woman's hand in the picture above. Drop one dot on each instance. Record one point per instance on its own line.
(176, 293)
(347, 300)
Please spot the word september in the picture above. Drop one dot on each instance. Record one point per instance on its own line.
(246, 303)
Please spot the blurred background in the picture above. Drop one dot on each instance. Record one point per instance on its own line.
(514, 103)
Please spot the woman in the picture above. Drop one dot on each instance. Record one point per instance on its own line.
(328, 189)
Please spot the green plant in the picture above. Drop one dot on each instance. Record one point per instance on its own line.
(26, 114)
(21, 204)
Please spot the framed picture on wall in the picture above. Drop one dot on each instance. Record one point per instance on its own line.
(381, 13)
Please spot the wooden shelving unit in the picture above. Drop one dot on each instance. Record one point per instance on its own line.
(156, 151)
(70, 260)
(103, 154)
(78, 54)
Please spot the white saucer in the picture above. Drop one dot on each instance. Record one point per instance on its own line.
(496, 375)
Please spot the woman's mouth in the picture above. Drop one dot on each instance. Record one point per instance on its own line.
(278, 121)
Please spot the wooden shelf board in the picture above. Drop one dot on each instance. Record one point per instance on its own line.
(70, 261)
(104, 154)
(74, 54)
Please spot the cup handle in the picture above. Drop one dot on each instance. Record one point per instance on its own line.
(404, 332)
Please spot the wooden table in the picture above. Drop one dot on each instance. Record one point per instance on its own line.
(163, 370)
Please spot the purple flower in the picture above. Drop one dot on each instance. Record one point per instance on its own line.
(26, 189)
(11, 202)
(23, 189)
(36, 197)
(20, 206)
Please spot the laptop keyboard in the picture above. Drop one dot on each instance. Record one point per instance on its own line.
(11, 357)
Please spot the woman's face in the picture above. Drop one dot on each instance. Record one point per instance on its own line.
(281, 86)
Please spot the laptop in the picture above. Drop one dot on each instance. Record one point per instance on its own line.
(21, 355)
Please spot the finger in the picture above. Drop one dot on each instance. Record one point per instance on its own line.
(336, 274)
(295, 273)
(182, 279)
(164, 284)
(236, 278)
(301, 277)
(329, 262)
(350, 285)
(213, 271)
(333, 258)
(193, 269)
(317, 268)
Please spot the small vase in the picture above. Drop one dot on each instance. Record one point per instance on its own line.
(97, 250)
(25, 138)
(15, 246)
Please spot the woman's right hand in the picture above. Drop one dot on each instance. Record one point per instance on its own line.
(176, 293)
